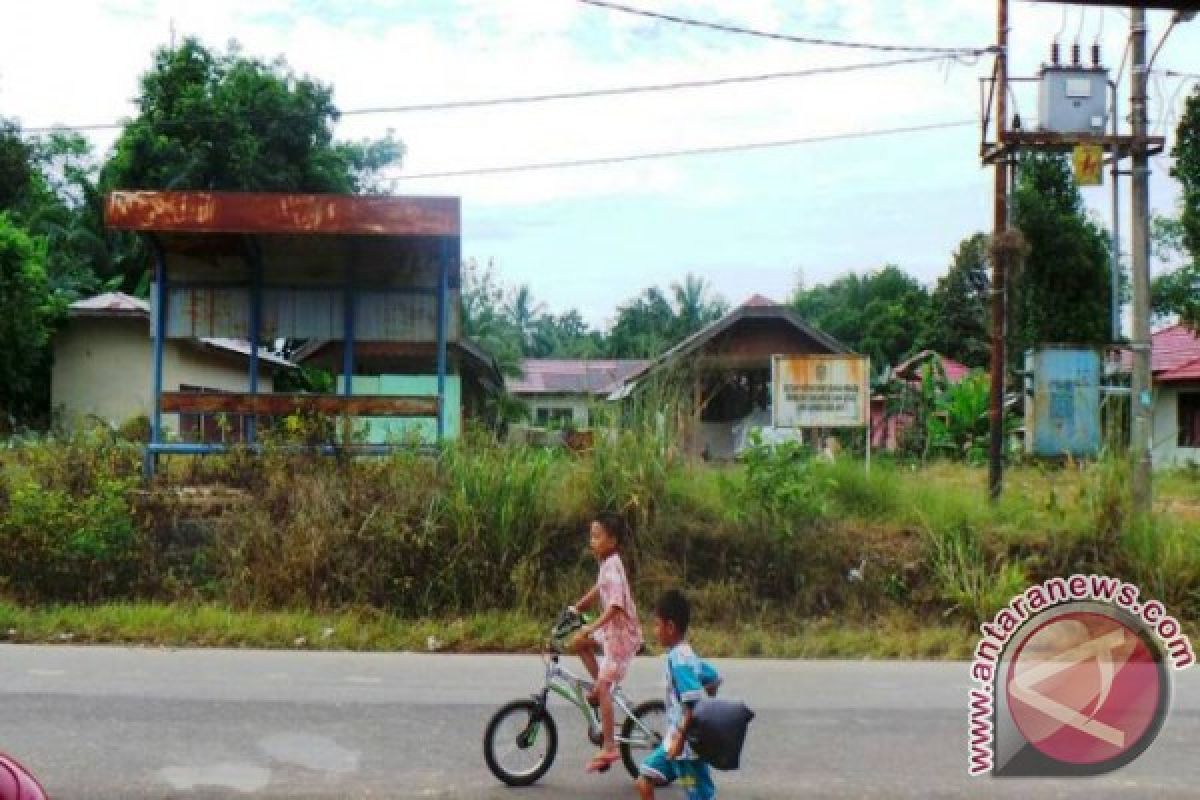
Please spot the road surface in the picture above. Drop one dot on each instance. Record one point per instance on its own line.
(100, 723)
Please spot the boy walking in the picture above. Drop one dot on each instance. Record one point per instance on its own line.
(674, 761)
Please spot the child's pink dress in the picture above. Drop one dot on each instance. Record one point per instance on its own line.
(621, 638)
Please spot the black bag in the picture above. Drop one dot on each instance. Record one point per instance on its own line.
(718, 731)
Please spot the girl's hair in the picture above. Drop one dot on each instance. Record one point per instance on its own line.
(616, 526)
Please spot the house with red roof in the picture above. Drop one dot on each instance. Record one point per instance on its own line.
(889, 425)
(1175, 366)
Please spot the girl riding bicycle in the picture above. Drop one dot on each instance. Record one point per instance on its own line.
(617, 633)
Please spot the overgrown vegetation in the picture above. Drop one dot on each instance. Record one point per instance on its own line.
(779, 553)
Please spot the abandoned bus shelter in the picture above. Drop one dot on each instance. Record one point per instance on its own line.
(263, 267)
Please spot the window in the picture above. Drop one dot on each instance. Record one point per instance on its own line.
(553, 417)
(1189, 419)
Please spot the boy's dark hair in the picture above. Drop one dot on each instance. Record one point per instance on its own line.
(674, 607)
(616, 526)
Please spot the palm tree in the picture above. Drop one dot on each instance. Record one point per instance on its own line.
(524, 312)
(694, 308)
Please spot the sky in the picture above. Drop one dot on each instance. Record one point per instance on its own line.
(591, 238)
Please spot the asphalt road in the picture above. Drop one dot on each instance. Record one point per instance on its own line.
(125, 724)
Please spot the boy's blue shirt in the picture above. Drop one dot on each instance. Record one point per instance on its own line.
(684, 688)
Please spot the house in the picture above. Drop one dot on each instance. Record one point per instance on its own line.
(888, 425)
(564, 392)
(410, 369)
(721, 374)
(103, 361)
(1175, 366)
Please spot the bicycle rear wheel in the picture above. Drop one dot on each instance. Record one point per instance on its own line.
(520, 742)
(639, 740)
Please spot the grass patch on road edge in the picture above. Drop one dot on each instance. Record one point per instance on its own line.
(893, 637)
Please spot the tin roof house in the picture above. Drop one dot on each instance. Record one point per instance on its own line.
(102, 366)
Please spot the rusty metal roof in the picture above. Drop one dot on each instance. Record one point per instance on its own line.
(573, 376)
(277, 213)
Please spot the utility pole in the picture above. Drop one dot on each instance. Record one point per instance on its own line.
(1000, 227)
(1142, 391)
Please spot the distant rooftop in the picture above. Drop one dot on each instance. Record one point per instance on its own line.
(1174, 355)
(572, 376)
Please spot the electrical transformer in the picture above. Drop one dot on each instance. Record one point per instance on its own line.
(1073, 99)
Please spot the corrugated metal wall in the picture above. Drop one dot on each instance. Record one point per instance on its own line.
(1062, 417)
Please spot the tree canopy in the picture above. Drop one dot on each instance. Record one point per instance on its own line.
(212, 120)
(878, 314)
(959, 321)
(1061, 294)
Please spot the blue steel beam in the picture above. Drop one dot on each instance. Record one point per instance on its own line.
(158, 313)
(443, 318)
(255, 257)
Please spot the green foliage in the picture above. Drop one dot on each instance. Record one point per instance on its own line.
(653, 322)
(211, 120)
(16, 166)
(67, 531)
(28, 311)
(1187, 171)
(1061, 294)
(877, 314)
(959, 424)
(780, 493)
(959, 319)
(1175, 291)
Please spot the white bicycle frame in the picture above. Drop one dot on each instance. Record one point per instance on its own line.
(573, 689)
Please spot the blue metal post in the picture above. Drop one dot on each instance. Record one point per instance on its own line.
(348, 352)
(158, 316)
(255, 258)
(443, 316)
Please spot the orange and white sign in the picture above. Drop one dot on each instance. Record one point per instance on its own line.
(820, 391)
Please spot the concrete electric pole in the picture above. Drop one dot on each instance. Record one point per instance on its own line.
(1141, 396)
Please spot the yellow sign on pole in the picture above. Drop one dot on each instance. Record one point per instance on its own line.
(1089, 164)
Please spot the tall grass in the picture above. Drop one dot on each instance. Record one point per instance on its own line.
(486, 526)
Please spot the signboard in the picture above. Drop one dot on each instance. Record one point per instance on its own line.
(820, 391)
(1088, 160)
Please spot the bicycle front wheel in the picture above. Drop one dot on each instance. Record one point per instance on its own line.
(642, 733)
(520, 742)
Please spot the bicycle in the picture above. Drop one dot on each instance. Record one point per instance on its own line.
(521, 739)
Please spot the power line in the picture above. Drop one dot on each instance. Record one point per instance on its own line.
(451, 105)
(654, 87)
(1170, 73)
(732, 148)
(738, 29)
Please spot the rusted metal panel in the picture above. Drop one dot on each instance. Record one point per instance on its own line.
(276, 405)
(386, 316)
(820, 391)
(396, 317)
(202, 313)
(253, 212)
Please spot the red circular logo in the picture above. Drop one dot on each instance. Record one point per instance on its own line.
(1084, 689)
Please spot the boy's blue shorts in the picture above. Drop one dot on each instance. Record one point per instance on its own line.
(691, 774)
